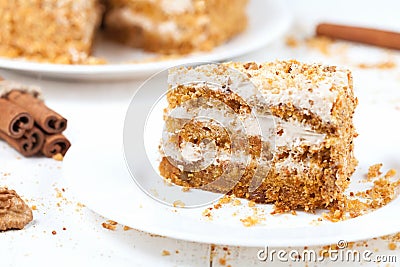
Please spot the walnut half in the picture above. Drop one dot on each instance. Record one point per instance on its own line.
(14, 213)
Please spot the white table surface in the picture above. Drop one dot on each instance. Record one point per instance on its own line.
(84, 242)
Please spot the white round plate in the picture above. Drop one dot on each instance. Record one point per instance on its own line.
(268, 20)
(96, 171)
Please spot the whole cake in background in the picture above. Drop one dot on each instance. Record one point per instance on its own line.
(279, 132)
(59, 31)
(63, 31)
(175, 26)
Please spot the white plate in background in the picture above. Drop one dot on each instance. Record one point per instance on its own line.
(268, 20)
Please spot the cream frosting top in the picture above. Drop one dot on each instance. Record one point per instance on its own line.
(310, 87)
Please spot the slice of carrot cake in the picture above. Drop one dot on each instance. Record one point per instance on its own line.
(175, 26)
(49, 30)
(279, 132)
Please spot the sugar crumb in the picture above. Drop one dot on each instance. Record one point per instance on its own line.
(110, 225)
(392, 246)
(127, 228)
(291, 41)
(178, 203)
(165, 253)
(374, 171)
(58, 157)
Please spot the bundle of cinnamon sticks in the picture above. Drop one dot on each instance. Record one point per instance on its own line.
(30, 127)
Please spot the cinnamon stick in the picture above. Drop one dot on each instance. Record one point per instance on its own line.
(14, 120)
(50, 121)
(55, 144)
(370, 36)
(29, 144)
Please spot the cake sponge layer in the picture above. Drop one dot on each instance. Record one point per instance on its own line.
(302, 160)
(48, 30)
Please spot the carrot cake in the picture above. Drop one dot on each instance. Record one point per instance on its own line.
(175, 26)
(63, 31)
(48, 30)
(279, 132)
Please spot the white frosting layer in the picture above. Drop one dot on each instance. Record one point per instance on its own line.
(126, 16)
(177, 6)
(315, 91)
(291, 164)
(168, 28)
(271, 129)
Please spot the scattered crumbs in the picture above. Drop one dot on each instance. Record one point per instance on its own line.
(237, 202)
(158, 236)
(392, 246)
(258, 215)
(356, 207)
(222, 261)
(58, 157)
(34, 207)
(380, 65)
(350, 245)
(18, 157)
(250, 221)
(176, 251)
(316, 222)
(185, 189)
(393, 239)
(207, 213)
(64, 228)
(53, 232)
(291, 41)
(396, 237)
(178, 203)
(251, 203)
(294, 212)
(391, 173)
(58, 193)
(127, 228)
(374, 171)
(225, 199)
(165, 253)
(217, 206)
(112, 222)
(324, 252)
(110, 225)
(80, 205)
(383, 191)
(321, 43)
